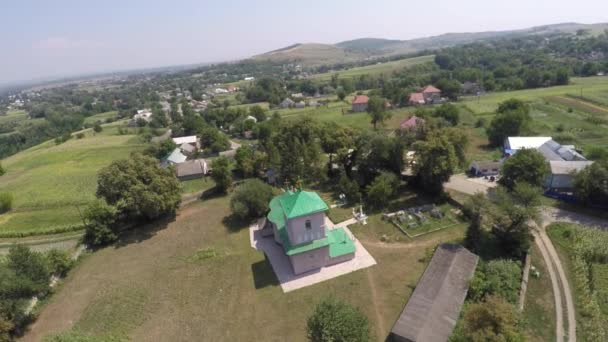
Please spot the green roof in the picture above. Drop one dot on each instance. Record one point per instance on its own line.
(300, 203)
(339, 243)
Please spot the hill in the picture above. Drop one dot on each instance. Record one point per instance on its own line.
(311, 54)
(357, 49)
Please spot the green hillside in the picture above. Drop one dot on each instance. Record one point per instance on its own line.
(49, 182)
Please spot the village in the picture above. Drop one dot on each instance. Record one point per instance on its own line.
(444, 188)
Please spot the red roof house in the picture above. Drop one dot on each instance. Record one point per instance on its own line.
(416, 99)
(412, 122)
(359, 103)
(430, 93)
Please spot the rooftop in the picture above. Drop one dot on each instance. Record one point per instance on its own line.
(412, 122)
(417, 97)
(434, 307)
(300, 203)
(176, 156)
(191, 168)
(562, 167)
(430, 89)
(517, 143)
(360, 99)
(185, 140)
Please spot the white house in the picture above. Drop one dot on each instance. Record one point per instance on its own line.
(191, 139)
(518, 143)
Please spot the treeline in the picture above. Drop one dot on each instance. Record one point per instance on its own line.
(525, 62)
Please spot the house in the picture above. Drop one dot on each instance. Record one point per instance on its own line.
(188, 149)
(434, 307)
(296, 95)
(191, 169)
(232, 89)
(297, 219)
(300, 104)
(359, 103)
(412, 123)
(549, 148)
(249, 78)
(562, 174)
(485, 168)
(430, 94)
(287, 103)
(191, 139)
(221, 91)
(470, 88)
(416, 99)
(174, 158)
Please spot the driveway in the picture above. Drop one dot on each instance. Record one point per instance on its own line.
(469, 185)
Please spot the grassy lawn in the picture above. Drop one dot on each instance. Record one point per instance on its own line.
(101, 117)
(192, 280)
(375, 69)
(196, 185)
(48, 181)
(539, 308)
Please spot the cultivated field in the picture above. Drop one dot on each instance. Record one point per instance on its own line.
(101, 117)
(199, 279)
(50, 182)
(375, 69)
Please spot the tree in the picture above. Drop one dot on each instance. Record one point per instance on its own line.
(459, 140)
(139, 188)
(258, 113)
(250, 200)
(335, 137)
(2, 171)
(507, 124)
(6, 327)
(334, 321)
(100, 223)
(449, 88)
(6, 202)
(30, 265)
(475, 208)
(527, 165)
(348, 187)
(513, 105)
(492, 320)
(449, 112)
(341, 94)
(377, 110)
(221, 172)
(591, 183)
(435, 163)
(97, 127)
(382, 189)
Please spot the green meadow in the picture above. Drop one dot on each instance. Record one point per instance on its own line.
(375, 69)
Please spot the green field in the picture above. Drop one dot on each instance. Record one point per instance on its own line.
(50, 181)
(13, 116)
(193, 278)
(101, 117)
(375, 69)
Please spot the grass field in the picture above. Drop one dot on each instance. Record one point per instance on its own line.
(198, 279)
(375, 69)
(50, 181)
(101, 117)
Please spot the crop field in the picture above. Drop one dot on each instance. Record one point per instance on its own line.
(191, 278)
(375, 69)
(49, 182)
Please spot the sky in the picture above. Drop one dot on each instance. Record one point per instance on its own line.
(44, 39)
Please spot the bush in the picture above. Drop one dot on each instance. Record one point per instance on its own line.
(481, 122)
(2, 171)
(59, 262)
(97, 127)
(100, 221)
(6, 202)
(497, 277)
(334, 320)
(29, 265)
(251, 199)
(350, 188)
(79, 135)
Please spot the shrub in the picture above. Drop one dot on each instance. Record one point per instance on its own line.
(348, 187)
(251, 199)
(29, 265)
(6, 202)
(481, 122)
(59, 262)
(97, 127)
(2, 171)
(497, 277)
(79, 135)
(334, 320)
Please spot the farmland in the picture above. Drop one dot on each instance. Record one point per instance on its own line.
(101, 117)
(163, 290)
(375, 69)
(49, 182)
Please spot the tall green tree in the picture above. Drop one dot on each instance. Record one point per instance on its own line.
(221, 172)
(382, 189)
(250, 200)
(139, 188)
(527, 165)
(436, 161)
(377, 110)
(591, 184)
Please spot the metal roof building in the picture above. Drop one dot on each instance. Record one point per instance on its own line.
(433, 309)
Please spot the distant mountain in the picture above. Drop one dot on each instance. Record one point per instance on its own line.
(315, 54)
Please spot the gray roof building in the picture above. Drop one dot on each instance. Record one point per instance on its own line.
(191, 169)
(433, 309)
